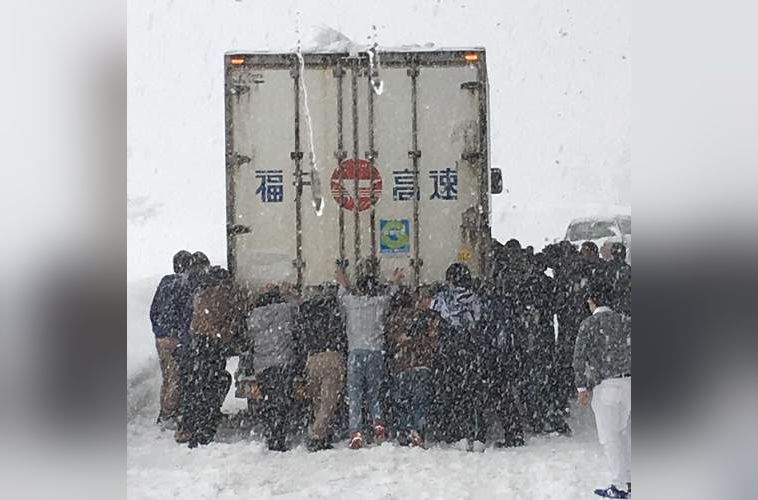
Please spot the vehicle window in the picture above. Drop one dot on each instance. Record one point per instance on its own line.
(625, 223)
(590, 230)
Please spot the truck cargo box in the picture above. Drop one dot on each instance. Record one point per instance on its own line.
(400, 166)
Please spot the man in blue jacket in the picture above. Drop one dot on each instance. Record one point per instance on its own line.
(166, 318)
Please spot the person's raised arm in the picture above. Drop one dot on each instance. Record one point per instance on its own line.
(397, 276)
(341, 277)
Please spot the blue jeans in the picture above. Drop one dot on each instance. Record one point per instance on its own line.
(365, 371)
(412, 395)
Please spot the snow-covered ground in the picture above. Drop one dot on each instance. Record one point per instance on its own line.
(547, 467)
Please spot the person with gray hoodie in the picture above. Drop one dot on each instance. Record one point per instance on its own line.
(603, 367)
(271, 327)
(365, 309)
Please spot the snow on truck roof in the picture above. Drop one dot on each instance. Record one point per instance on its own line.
(328, 40)
(341, 49)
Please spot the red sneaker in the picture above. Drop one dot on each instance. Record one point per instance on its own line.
(379, 434)
(356, 441)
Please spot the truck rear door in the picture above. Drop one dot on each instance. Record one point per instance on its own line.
(402, 163)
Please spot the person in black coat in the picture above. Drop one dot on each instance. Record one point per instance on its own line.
(571, 309)
(619, 277)
(166, 318)
(502, 363)
(458, 387)
(535, 309)
(322, 342)
(215, 325)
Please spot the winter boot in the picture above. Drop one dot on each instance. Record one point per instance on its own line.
(511, 441)
(356, 441)
(562, 428)
(319, 444)
(379, 434)
(167, 423)
(403, 438)
(613, 492)
(277, 444)
(416, 440)
(182, 437)
(477, 446)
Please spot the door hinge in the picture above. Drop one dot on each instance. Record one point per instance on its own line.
(237, 229)
(471, 156)
(342, 263)
(298, 263)
(414, 154)
(475, 85)
(305, 178)
(239, 89)
(237, 160)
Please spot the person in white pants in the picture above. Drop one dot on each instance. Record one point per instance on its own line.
(603, 368)
(612, 405)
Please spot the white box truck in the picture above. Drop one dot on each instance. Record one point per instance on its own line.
(399, 137)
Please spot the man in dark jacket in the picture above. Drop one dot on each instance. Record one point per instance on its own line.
(197, 278)
(619, 276)
(603, 366)
(216, 316)
(165, 316)
(535, 330)
(502, 358)
(571, 309)
(320, 331)
(412, 343)
(459, 364)
(590, 265)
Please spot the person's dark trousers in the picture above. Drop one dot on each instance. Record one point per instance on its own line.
(476, 386)
(449, 397)
(543, 404)
(536, 378)
(276, 387)
(205, 383)
(503, 401)
(412, 396)
(568, 328)
(209, 411)
(459, 393)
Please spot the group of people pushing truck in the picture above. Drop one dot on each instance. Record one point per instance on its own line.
(442, 363)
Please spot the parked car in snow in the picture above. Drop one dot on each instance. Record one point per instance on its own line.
(603, 231)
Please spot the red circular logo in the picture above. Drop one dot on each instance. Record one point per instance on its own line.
(343, 184)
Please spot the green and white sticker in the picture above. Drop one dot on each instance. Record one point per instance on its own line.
(394, 236)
